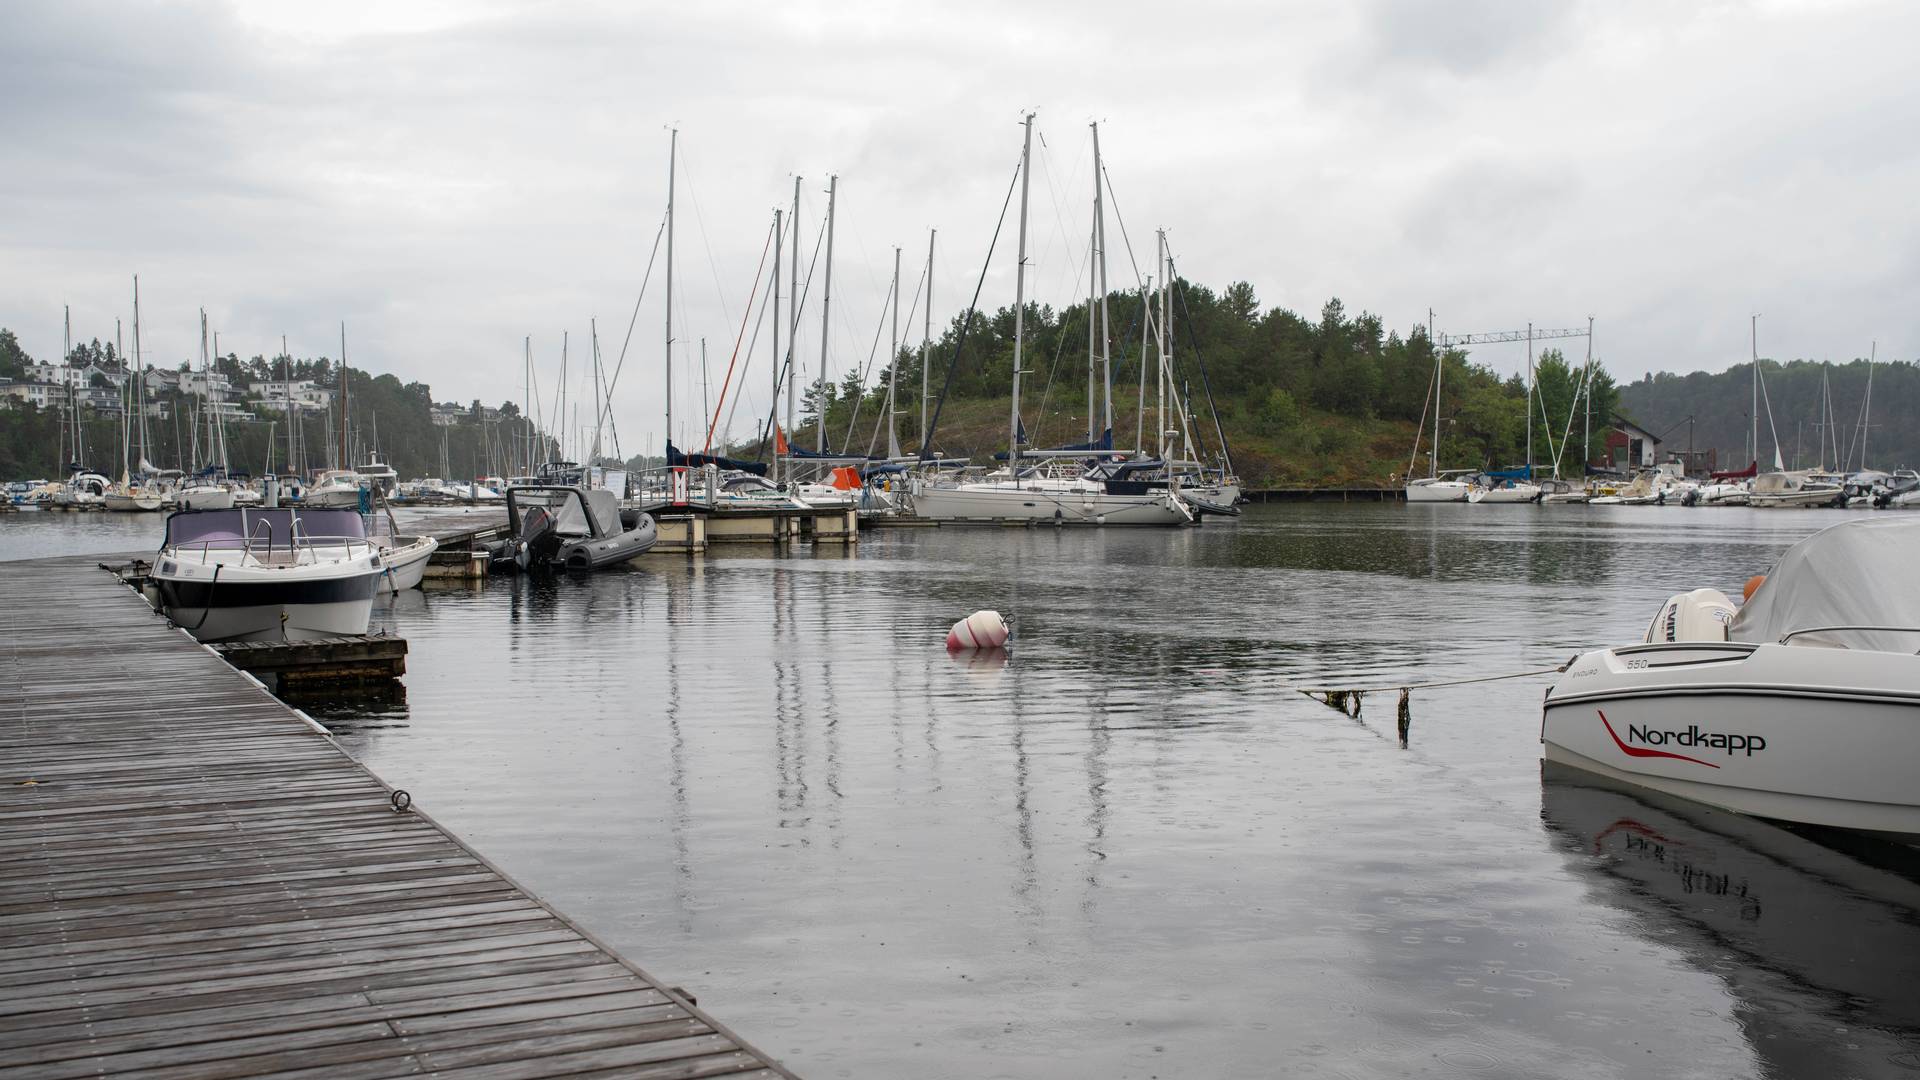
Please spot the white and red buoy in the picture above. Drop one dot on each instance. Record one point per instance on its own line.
(980, 630)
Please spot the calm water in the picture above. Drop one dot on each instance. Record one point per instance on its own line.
(1131, 849)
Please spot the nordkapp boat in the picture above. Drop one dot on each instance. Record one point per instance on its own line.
(1804, 706)
(267, 575)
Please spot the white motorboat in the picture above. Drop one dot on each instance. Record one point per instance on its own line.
(1722, 494)
(379, 474)
(1559, 492)
(335, 488)
(1803, 707)
(1794, 489)
(405, 557)
(278, 574)
(1442, 488)
(406, 561)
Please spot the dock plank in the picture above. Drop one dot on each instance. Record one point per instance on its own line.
(195, 882)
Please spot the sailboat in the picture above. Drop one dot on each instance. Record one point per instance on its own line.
(208, 489)
(1022, 492)
(1515, 485)
(132, 494)
(1436, 486)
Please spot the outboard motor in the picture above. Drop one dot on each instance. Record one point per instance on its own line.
(539, 543)
(536, 539)
(1700, 615)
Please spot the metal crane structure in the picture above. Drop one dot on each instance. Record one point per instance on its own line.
(1531, 335)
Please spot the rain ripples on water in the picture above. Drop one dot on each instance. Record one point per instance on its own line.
(1128, 847)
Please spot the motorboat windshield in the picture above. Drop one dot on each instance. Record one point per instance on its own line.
(1852, 576)
(276, 526)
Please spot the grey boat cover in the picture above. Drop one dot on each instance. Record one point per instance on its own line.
(1860, 573)
(571, 519)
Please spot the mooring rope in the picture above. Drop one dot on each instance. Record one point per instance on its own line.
(1349, 699)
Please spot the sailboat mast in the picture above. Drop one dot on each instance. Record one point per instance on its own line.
(1439, 376)
(673, 152)
(593, 328)
(926, 343)
(126, 401)
(1140, 396)
(1019, 302)
(1100, 260)
(773, 409)
(66, 358)
(826, 302)
(526, 403)
(1093, 291)
(140, 374)
(793, 317)
(346, 459)
(1753, 339)
(893, 363)
(1160, 349)
(1529, 401)
(1866, 410)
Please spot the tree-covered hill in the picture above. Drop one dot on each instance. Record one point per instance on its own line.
(1719, 406)
(1330, 400)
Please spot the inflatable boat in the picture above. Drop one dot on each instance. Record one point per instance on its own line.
(558, 526)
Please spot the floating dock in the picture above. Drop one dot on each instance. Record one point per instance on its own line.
(195, 882)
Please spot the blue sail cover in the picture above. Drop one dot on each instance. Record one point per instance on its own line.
(1104, 442)
(677, 457)
(1519, 472)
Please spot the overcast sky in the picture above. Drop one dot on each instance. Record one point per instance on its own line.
(448, 178)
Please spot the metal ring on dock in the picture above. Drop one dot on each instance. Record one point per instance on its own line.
(400, 801)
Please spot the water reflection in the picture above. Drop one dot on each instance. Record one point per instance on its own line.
(1816, 944)
(1123, 846)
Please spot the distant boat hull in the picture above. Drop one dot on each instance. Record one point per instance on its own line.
(206, 498)
(1438, 491)
(1517, 493)
(138, 502)
(1218, 500)
(993, 503)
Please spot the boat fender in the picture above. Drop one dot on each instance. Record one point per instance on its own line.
(980, 630)
(1700, 615)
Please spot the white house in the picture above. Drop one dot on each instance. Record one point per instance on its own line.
(305, 395)
(206, 384)
(36, 393)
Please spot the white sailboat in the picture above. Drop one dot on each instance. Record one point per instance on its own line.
(1436, 486)
(133, 494)
(1021, 492)
(209, 489)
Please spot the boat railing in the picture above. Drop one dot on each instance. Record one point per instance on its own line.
(678, 485)
(252, 549)
(1791, 634)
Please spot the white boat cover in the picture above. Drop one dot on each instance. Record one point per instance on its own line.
(1860, 573)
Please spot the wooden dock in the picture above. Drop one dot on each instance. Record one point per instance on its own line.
(194, 882)
(357, 659)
